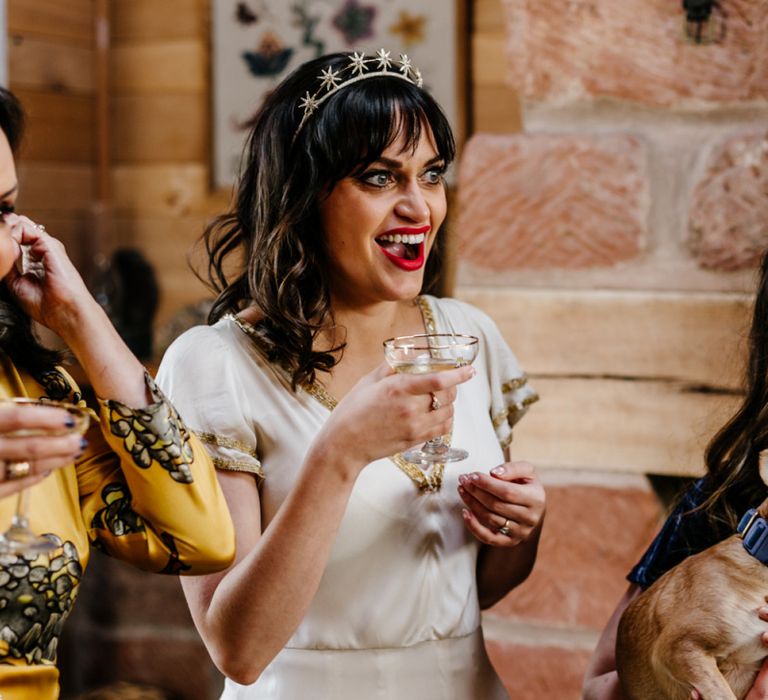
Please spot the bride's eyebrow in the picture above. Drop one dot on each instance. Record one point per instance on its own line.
(10, 192)
(396, 164)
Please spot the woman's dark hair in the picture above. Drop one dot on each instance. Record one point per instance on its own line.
(274, 232)
(733, 476)
(17, 339)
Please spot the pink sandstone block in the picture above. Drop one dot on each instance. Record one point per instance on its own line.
(556, 201)
(592, 539)
(540, 673)
(636, 50)
(728, 216)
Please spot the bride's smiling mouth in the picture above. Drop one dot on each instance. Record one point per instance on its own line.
(404, 246)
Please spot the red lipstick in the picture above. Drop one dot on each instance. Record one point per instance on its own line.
(406, 256)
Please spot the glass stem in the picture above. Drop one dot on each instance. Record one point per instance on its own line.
(22, 504)
(435, 446)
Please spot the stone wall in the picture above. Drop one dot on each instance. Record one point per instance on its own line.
(614, 238)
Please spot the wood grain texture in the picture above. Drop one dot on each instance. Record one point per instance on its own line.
(643, 427)
(71, 20)
(169, 66)
(159, 128)
(53, 65)
(60, 127)
(697, 339)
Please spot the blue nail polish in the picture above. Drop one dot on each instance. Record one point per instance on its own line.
(83, 443)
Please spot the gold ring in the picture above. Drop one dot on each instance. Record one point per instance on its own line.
(504, 529)
(17, 470)
(435, 404)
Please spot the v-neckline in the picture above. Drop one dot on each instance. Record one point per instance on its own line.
(428, 482)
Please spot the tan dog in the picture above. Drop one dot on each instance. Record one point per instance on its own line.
(697, 626)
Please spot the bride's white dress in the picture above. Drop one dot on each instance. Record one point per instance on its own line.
(396, 616)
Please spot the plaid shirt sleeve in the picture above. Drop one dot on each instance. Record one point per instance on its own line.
(684, 533)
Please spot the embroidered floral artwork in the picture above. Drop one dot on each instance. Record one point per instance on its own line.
(37, 592)
(256, 43)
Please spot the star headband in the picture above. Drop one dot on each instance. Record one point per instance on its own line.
(360, 67)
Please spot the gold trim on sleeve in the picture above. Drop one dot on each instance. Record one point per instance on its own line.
(221, 441)
(514, 384)
(235, 465)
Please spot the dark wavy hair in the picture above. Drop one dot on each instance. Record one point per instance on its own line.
(733, 476)
(273, 232)
(17, 338)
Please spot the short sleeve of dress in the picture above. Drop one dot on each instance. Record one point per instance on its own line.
(510, 391)
(199, 373)
(685, 532)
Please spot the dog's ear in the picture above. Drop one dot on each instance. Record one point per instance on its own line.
(763, 466)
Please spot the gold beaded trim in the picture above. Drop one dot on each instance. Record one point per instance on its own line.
(500, 418)
(514, 384)
(238, 466)
(426, 314)
(220, 441)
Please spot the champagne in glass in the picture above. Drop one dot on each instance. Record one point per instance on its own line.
(424, 353)
(19, 538)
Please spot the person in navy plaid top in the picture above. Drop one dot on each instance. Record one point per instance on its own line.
(709, 510)
(686, 531)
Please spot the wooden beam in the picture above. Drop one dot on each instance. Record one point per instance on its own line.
(693, 338)
(159, 128)
(643, 427)
(71, 19)
(60, 127)
(47, 64)
(150, 20)
(70, 186)
(177, 66)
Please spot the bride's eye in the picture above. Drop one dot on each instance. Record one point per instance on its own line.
(377, 178)
(6, 208)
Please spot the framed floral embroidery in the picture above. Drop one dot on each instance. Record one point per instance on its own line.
(256, 43)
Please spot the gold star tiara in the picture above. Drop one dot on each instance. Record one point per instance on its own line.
(360, 67)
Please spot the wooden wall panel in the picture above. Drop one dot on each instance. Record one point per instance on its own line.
(158, 128)
(488, 17)
(70, 19)
(42, 63)
(691, 338)
(177, 66)
(51, 65)
(161, 188)
(60, 127)
(495, 107)
(643, 427)
(150, 20)
(72, 183)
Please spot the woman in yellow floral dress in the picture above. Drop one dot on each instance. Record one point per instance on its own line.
(139, 486)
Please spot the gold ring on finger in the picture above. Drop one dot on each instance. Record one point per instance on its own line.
(504, 529)
(435, 403)
(16, 470)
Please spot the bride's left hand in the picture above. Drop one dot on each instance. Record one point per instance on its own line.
(503, 508)
(51, 290)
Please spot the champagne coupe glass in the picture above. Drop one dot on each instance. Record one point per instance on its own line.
(19, 538)
(431, 352)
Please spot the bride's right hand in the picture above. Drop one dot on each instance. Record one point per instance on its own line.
(386, 413)
(42, 453)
